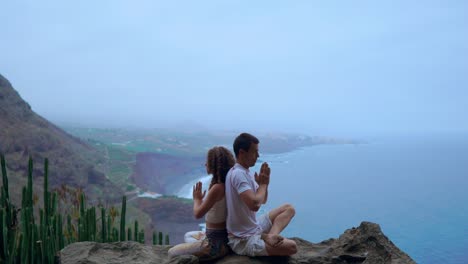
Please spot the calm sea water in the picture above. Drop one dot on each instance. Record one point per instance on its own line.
(416, 189)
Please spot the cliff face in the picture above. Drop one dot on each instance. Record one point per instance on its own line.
(24, 133)
(365, 244)
(162, 173)
(170, 216)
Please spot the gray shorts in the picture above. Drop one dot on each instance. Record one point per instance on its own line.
(254, 245)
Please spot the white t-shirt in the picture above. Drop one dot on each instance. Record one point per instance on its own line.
(241, 221)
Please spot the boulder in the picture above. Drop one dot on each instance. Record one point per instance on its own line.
(365, 244)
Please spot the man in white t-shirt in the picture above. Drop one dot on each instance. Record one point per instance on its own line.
(245, 193)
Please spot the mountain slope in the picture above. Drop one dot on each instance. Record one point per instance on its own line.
(24, 133)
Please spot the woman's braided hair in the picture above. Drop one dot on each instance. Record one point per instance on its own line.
(219, 161)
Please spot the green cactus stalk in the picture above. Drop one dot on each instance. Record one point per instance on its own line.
(27, 219)
(53, 207)
(30, 236)
(46, 192)
(160, 238)
(69, 230)
(129, 234)
(136, 231)
(155, 240)
(89, 224)
(94, 224)
(24, 197)
(21, 257)
(82, 220)
(24, 243)
(43, 252)
(61, 242)
(14, 248)
(31, 242)
(36, 252)
(2, 224)
(109, 226)
(7, 207)
(82, 206)
(4, 237)
(122, 218)
(115, 234)
(30, 183)
(42, 235)
(167, 239)
(78, 229)
(103, 225)
(4, 176)
(141, 236)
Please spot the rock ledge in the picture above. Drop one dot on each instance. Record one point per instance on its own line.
(365, 244)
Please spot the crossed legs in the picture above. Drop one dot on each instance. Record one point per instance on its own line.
(275, 244)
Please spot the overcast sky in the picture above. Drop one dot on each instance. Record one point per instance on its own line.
(319, 67)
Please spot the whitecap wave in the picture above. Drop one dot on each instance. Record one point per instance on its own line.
(186, 190)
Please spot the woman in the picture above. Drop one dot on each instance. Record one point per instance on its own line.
(218, 162)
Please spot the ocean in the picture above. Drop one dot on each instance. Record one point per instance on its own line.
(415, 188)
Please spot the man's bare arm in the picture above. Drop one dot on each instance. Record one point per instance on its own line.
(254, 200)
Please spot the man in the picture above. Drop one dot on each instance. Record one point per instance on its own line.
(249, 235)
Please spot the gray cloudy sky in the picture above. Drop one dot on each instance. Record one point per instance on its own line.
(320, 67)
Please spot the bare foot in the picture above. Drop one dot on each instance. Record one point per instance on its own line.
(199, 236)
(272, 240)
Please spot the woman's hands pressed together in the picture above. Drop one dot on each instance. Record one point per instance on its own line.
(197, 191)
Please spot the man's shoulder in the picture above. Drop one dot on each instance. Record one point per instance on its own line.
(236, 172)
(237, 175)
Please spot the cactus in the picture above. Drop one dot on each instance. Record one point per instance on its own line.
(160, 238)
(155, 240)
(115, 234)
(9, 234)
(2, 226)
(42, 236)
(136, 231)
(4, 177)
(141, 236)
(82, 219)
(109, 228)
(122, 218)
(103, 225)
(91, 224)
(14, 247)
(69, 230)
(26, 241)
(29, 201)
(61, 242)
(25, 245)
(129, 234)
(3, 232)
(167, 239)
(46, 191)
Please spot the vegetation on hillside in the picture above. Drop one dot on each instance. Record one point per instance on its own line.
(25, 239)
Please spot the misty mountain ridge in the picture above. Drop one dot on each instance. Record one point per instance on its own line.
(24, 133)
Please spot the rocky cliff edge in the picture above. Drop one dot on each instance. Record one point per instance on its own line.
(365, 244)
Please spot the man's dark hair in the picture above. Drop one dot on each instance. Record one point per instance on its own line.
(243, 141)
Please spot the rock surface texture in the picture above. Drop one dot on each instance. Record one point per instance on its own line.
(365, 244)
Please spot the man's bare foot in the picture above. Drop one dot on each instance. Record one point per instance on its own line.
(272, 240)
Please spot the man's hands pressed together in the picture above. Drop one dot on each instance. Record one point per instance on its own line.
(264, 176)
